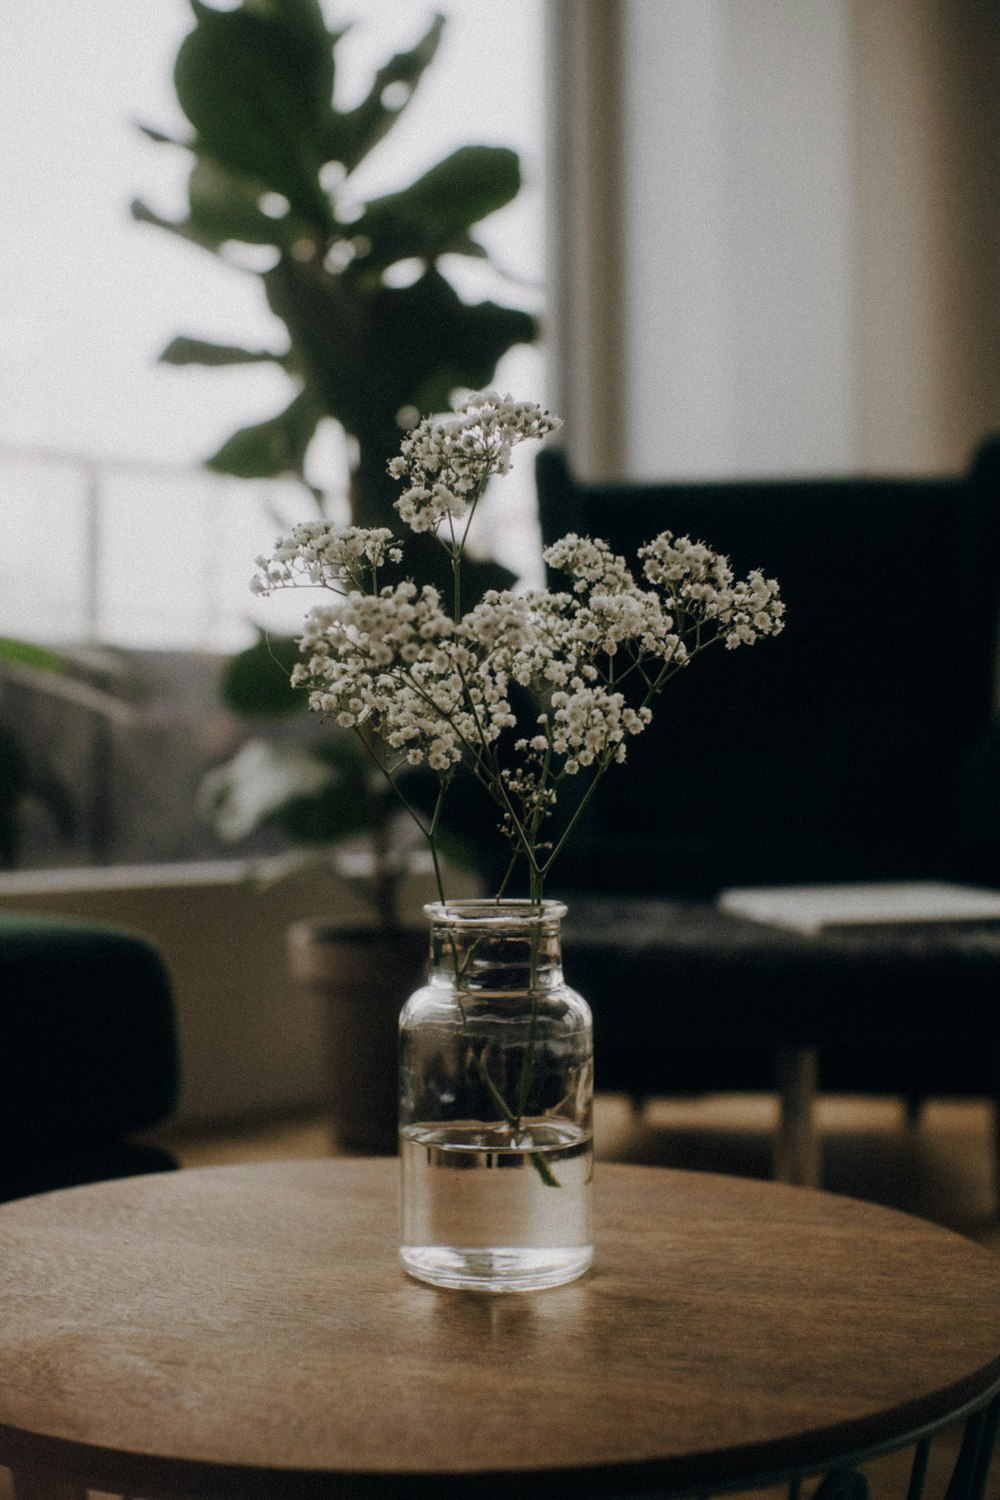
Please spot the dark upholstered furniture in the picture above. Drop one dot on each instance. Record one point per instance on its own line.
(691, 999)
(88, 1053)
(860, 745)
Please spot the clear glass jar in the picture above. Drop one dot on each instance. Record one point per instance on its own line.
(496, 1104)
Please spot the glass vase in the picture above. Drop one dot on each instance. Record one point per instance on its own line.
(496, 1104)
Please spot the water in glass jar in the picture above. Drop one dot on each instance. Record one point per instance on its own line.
(484, 1208)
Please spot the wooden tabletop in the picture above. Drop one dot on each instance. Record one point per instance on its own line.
(247, 1330)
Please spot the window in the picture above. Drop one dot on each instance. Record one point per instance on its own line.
(111, 531)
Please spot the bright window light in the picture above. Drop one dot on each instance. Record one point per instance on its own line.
(111, 530)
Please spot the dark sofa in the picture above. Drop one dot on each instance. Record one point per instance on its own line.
(860, 745)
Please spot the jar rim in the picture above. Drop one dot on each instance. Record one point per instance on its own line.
(488, 911)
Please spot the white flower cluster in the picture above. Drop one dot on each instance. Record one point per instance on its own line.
(394, 662)
(317, 552)
(697, 581)
(438, 693)
(448, 459)
(437, 690)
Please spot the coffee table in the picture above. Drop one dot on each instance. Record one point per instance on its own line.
(247, 1331)
(688, 998)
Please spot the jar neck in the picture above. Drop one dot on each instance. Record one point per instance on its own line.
(496, 945)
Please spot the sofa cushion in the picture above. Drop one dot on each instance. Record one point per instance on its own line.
(87, 1036)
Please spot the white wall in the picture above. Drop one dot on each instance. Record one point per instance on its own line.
(805, 231)
(738, 236)
(927, 171)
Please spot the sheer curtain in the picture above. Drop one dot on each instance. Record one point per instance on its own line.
(789, 209)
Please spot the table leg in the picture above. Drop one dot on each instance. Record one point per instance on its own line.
(796, 1147)
(37, 1484)
(968, 1480)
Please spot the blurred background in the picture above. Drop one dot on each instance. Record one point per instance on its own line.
(110, 531)
(759, 236)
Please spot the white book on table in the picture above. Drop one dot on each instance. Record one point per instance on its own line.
(809, 908)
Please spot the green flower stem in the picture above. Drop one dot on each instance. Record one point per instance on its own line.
(456, 550)
(528, 1063)
(432, 836)
(514, 1118)
(490, 778)
(536, 1158)
(429, 831)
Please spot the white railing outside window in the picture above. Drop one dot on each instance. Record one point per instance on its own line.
(143, 555)
(151, 555)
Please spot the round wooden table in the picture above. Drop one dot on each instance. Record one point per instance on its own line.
(247, 1331)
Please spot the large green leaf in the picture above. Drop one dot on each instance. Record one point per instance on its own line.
(184, 230)
(369, 350)
(424, 342)
(340, 808)
(256, 682)
(405, 239)
(265, 783)
(152, 133)
(187, 351)
(327, 321)
(306, 19)
(316, 794)
(225, 205)
(258, 91)
(323, 817)
(267, 449)
(27, 654)
(351, 136)
(433, 215)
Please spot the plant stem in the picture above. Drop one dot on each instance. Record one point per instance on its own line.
(432, 839)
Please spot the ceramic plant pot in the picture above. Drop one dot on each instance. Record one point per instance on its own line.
(361, 977)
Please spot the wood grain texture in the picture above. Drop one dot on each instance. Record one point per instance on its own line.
(248, 1331)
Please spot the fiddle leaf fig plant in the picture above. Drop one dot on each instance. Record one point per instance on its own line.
(272, 165)
(375, 331)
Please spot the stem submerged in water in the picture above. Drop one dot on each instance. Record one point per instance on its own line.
(536, 1158)
(512, 1113)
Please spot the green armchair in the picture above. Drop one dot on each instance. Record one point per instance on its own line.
(88, 1053)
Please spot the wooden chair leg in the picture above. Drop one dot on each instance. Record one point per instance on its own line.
(913, 1105)
(796, 1147)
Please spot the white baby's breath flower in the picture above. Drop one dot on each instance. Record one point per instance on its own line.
(699, 583)
(319, 553)
(437, 690)
(447, 459)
